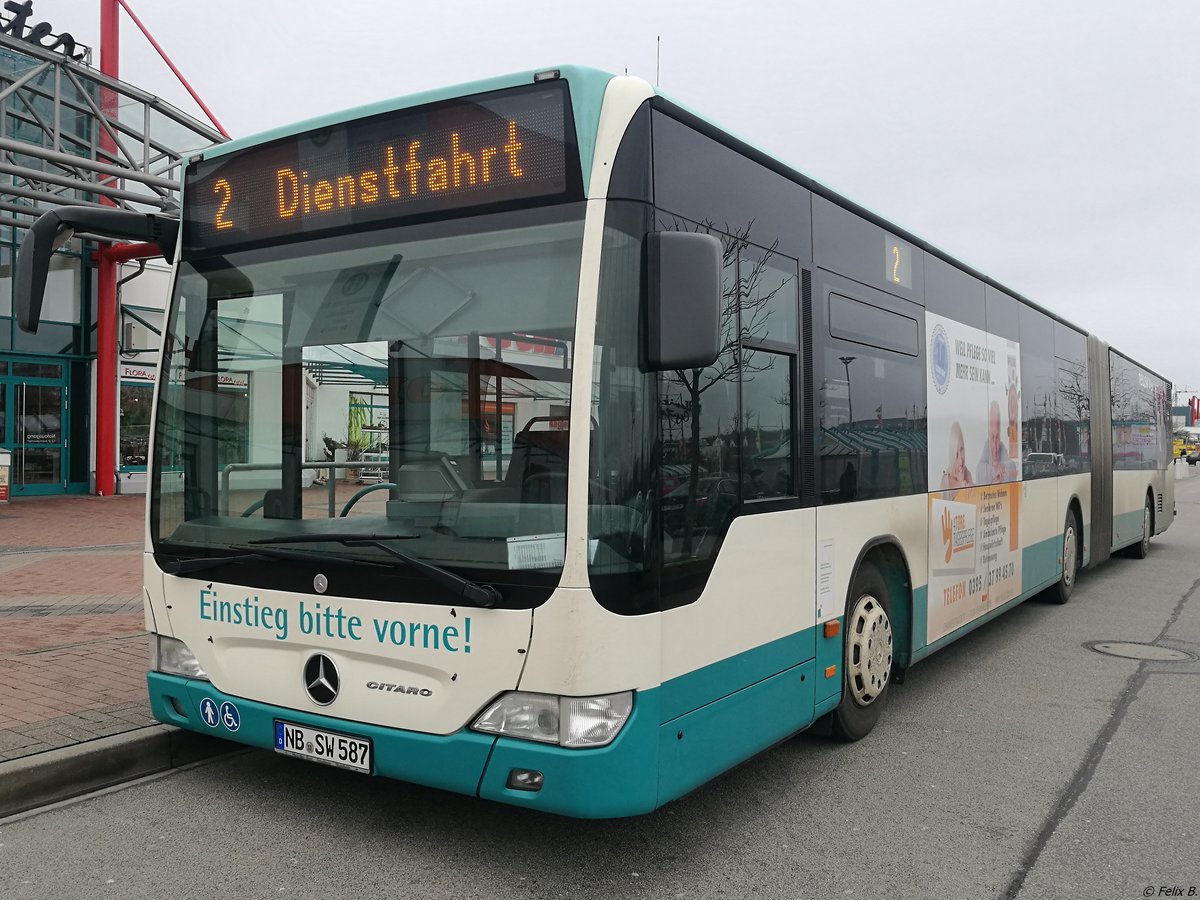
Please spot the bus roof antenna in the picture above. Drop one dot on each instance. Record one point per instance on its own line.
(658, 61)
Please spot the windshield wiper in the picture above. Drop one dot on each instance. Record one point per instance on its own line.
(474, 592)
(199, 564)
(260, 554)
(307, 555)
(333, 537)
(477, 592)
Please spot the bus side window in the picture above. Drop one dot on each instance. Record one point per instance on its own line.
(871, 401)
(766, 425)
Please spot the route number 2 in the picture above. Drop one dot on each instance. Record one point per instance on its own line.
(223, 187)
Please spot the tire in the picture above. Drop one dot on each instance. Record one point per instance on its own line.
(1142, 547)
(867, 656)
(1062, 591)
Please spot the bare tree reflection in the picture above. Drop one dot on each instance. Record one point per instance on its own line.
(745, 315)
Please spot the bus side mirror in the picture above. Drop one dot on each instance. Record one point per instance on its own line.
(45, 236)
(54, 228)
(683, 300)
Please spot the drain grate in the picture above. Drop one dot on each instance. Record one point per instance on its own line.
(1133, 650)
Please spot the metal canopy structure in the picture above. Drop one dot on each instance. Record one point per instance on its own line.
(74, 136)
(70, 135)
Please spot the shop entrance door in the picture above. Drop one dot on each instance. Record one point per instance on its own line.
(33, 424)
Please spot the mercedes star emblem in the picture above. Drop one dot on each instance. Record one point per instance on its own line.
(321, 679)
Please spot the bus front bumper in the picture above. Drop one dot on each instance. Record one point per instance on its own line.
(620, 779)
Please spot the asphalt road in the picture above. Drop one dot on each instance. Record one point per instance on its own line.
(1016, 763)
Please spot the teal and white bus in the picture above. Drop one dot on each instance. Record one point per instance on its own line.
(673, 452)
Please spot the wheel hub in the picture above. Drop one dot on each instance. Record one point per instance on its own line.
(868, 650)
(1069, 557)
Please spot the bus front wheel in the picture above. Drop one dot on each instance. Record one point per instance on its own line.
(867, 656)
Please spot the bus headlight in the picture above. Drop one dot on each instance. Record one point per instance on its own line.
(593, 721)
(174, 658)
(566, 721)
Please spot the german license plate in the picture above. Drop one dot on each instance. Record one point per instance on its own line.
(323, 746)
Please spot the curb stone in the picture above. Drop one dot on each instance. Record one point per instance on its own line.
(43, 778)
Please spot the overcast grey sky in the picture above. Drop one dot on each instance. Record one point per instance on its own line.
(1052, 145)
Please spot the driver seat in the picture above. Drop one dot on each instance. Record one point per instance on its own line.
(537, 472)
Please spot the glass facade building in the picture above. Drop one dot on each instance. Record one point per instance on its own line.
(72, 136)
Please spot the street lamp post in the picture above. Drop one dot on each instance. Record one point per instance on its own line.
(846, 360)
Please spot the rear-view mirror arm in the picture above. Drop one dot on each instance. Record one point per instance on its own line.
(56, 227)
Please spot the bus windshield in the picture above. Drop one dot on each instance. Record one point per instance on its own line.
(432, 362)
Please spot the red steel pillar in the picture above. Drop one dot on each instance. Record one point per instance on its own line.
(106, 375)
(106, 274)
(110, 37)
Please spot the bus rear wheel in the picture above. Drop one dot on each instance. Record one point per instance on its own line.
(1142, 547)
(867, 656)
(1062, 591)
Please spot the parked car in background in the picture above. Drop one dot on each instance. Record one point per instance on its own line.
(1042, 464)
(714, 501)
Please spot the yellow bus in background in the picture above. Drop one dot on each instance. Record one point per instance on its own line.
(1186, 440)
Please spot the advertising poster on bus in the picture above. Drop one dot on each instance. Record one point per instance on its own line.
(974, 472)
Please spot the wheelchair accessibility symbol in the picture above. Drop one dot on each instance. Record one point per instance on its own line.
(230, 717)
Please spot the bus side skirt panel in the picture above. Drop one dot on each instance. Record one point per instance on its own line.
(707, 741)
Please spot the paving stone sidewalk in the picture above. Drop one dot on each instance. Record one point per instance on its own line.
(73, 647)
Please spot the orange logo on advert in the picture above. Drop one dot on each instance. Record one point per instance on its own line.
(957, 536)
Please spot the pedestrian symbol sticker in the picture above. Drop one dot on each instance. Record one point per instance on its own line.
(230, 717)
(208, 709)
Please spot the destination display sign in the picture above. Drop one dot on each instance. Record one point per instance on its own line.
(491, 149)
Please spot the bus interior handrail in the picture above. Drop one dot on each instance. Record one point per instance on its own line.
(331, 482)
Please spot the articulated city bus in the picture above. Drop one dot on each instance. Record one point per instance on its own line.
(671, 452)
